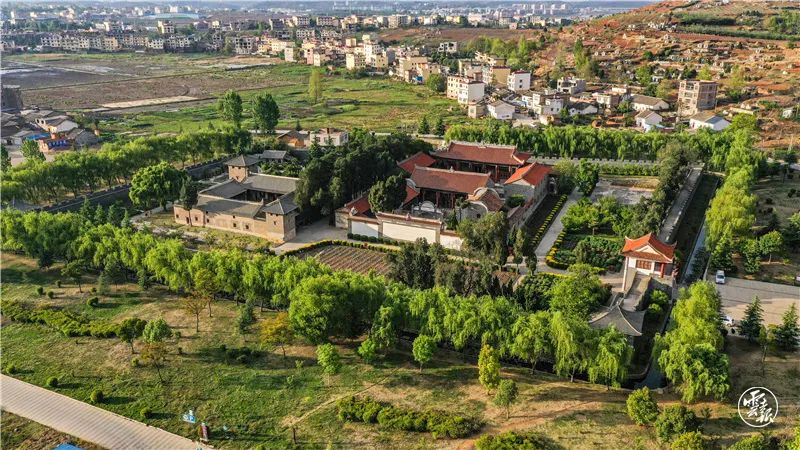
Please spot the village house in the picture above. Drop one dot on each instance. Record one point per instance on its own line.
(248, 203)
(571, 85)
(648, 120)
(707, 119)
(329, 136)
(519, 80)
(647, 103)
(500, 110)
(695, 96)
(464, 90)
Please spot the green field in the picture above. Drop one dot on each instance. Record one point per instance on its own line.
(260, 400)
(378, 104)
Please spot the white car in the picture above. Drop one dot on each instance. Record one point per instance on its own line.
(720, 277)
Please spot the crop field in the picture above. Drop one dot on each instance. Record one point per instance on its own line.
(360, 260)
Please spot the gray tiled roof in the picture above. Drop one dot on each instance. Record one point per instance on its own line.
(210, 204)
(270, 183)
(226, 189)
(242, 161)
(273, 154)
(282, 205)
(630, 323)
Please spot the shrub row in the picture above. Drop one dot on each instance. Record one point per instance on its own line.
(68, 323)
(512, 440)
(550, 259)
(329, 242)
(628, 169)
(354, 409)
(548, 221)
(372, 239)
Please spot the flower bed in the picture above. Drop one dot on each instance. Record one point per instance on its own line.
(548, 221)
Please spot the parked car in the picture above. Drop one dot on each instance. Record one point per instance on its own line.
(720, 277)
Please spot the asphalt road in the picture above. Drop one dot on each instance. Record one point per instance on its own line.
(85, 421)
(737, 294)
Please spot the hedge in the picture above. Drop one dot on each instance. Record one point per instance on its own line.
(548, 221)
(550, 259)
(367, 410)
(513, 440)
(68, 323)
(373, 239)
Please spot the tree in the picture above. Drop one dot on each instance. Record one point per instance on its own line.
(245, 318)
(423, 349)
(423, 127)
(613, 355)
(155, 353)
(74, 270)
(368, 350)
(791, 231)
(675, 420)
(194, 305)
(578, 293)
(692, 440)
(487, 236)
(506, 395)
(642, 407)
(644, 75)
(532, 337)
(704, 73)
(143, 279)
(5, 158)
(315, 86)
(156, 331)
(30, 150)
(156, 185)
(664, 89)
(417, 264)
(751, 252)
(205, 286)
(265, 112)
(736, 83)
(751, 325)
(387, 195)
(277, 331)
(489, 368)
(103, 283)
(188, 196)
(230, 107)
(770, 243)
(758, 442)
(328, 358)
(436, 82)
(787, 334)
(438, 126)
(131, 329)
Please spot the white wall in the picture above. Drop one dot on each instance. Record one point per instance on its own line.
(407, 233)
(450, 242)
(364, 229)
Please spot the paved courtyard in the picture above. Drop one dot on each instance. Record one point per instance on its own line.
(625, 195)
(737, 294)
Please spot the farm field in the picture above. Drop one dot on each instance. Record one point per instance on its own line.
(360, 260)
(379, 104)
(20, 433)
(259, 399)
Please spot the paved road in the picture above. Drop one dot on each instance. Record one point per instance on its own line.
(775, 298)
(85, 421)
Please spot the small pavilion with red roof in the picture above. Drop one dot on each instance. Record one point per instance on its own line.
(648, 256)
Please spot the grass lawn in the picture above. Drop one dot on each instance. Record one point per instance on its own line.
(378, 104)
(260, 400)
(20, 433)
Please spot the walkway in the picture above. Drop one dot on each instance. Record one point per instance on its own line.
(85, 421)
(675, 215)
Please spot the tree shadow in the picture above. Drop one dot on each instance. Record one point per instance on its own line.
(118, 400)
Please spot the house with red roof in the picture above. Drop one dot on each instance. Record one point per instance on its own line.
(647, 256)
(499, 161)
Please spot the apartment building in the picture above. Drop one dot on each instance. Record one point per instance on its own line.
(166, 27)
(327, 21)
(695, 96)
(355, 61)
(465, 90)
(519, 81)
(301, 21)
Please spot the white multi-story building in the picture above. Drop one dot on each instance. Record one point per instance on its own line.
(355, 61)
(519, 81)
(465, 90)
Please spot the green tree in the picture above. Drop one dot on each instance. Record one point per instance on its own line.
(265, 112)
(230, 107)
(188, 195)
(277, 331)
(532, 337)
(156, 185)
(155, 354)
(436, 82)
(579, 293)
(489, 368)
(642, 407)
(756, 442)
(486, 236)
(5, 158)
(644, 75)
(692, 440)
(315, 86)
(245, 318)
(30, 150)
(736, 83)
(664, 89)
(205, 287)
(507, 393)
(328, 359)
(674, 421)
(751, 252)
(770, 243)
(194, 305)
(613, 355)
(751, 325)
(130, 329)
(787, 334)
(74, 270)
(438, 126)
(368, 350)
(704, 73)
(156, 331)
(423, 127)
(791, 231)
(387, 195)
(423, 349)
